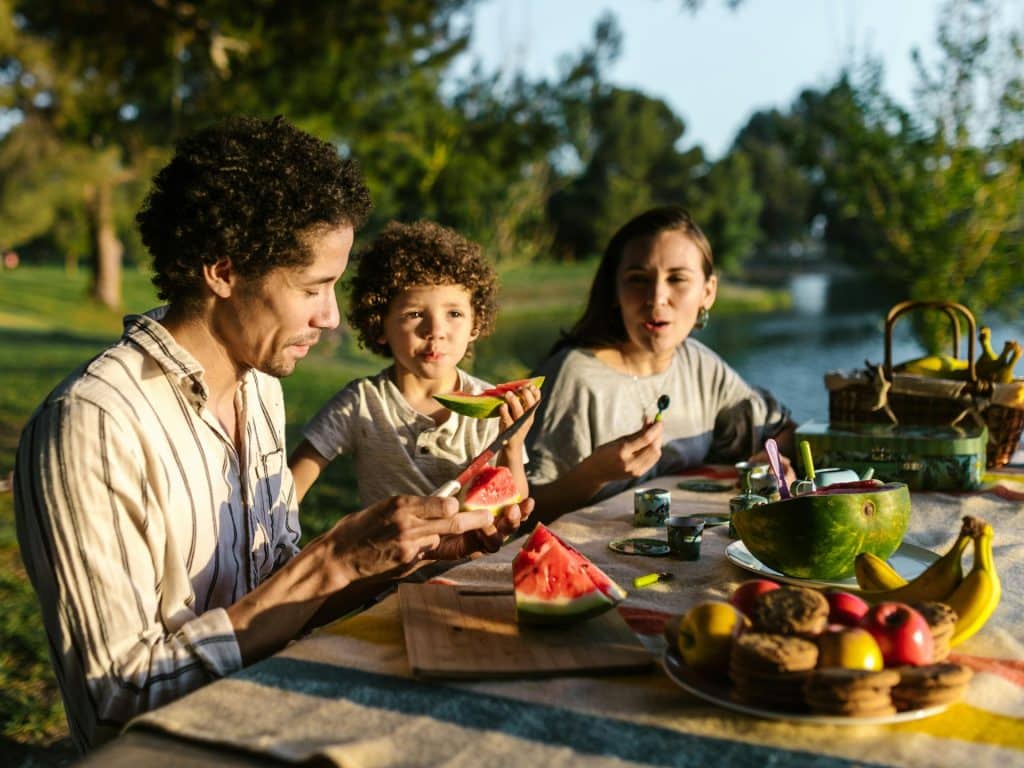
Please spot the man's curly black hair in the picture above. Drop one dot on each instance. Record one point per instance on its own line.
(407, 255)
(249, 190)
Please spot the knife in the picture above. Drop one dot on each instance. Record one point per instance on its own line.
(454, 486)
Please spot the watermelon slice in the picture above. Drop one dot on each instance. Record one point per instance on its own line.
(555, 584)
(491, 488)
(485, 404)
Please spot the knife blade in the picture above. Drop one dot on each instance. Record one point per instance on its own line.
(454, 486)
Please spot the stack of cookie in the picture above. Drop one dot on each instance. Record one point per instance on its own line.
(770, 670)
(942, 621)
(851, 692)
(930, 685)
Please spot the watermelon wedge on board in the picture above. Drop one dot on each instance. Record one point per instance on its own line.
(492, 488)
(485, 404)
(556, 585)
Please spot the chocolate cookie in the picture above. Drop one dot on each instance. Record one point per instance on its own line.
(941, 620)
(851, 692)
(791, 611)
(770, 670)
(930, 685)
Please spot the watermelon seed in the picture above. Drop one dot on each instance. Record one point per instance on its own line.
(869, 509)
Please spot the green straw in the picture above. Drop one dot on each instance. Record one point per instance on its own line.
(805, 454)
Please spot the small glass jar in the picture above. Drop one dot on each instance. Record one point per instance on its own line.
(745, 500)
(685, 535)
(651, 507)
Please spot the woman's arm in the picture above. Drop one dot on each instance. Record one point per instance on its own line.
(627, 457)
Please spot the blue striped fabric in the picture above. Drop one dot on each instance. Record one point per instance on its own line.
(581, 732)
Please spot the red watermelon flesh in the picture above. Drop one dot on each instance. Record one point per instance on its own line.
(555, 584)
(492, 488)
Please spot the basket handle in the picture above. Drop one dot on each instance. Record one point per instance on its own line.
(950, 308)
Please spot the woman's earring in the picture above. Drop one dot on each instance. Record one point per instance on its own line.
(702, 318)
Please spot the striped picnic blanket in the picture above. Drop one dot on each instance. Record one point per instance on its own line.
(345, 693)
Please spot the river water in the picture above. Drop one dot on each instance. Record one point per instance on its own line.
(835, 324)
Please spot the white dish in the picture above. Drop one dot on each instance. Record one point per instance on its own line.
(720, 693)
(909, 560)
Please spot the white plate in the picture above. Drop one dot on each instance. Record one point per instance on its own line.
(719, 693)
(909, 560)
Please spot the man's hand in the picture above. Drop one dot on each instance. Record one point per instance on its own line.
(627, 457)
(486, 539)
(761, 457)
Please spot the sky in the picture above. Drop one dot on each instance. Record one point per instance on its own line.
(717, 66)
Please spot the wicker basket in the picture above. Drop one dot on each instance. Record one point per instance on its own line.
(879, 396)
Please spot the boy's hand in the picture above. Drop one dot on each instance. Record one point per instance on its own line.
(516, 404)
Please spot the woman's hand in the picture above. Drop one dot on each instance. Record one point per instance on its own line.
(627, 457)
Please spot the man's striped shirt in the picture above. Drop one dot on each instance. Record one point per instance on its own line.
(139, 522)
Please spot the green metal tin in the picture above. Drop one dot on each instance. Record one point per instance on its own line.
(926, 458)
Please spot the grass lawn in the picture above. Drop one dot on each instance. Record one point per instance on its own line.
(48, 327)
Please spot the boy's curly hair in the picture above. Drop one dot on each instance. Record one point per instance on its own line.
(250, 190)
(407, 255)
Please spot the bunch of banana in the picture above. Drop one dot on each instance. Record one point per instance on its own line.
(880, 581)
(973, 596)
(977, 596)
(938, 365)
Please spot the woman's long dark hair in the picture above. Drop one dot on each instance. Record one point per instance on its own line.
(601, 324)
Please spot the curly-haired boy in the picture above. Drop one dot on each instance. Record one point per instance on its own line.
(421, 295)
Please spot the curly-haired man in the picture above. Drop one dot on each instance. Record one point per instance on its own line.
(156, 514)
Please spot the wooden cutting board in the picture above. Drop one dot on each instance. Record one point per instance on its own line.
(457, 632)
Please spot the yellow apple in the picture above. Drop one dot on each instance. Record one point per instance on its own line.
(850, 647)
(706, 633)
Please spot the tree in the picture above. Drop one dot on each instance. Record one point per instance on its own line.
(115, 85)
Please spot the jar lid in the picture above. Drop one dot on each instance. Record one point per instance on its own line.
(693, 524)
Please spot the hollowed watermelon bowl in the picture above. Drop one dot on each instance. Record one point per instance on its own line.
(818, 535)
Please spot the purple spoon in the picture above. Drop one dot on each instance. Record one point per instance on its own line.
(772, 449)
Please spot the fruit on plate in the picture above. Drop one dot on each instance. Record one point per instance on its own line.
(875, 574)
(936, 582)
(977, 596)
(492, 488)
(484, 405)
(818, 535)
(744, 595)
(902, 633)
(849, 647)
(706, 633)
(555, 584)
(845, 608)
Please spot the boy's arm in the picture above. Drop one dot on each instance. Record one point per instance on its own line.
(516, 404)
(306, 464)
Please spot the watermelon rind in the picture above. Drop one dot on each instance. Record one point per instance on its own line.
(481, 406)
(545, 553)
(818, 536)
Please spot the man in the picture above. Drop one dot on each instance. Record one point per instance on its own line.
(155, 511)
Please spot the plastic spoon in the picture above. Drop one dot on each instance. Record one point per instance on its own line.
(772, 449)
(663, 403)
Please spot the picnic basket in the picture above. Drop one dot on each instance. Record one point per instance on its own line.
(878, 395)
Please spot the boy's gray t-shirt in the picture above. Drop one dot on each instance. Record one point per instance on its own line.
(714, 414)
(396, 449)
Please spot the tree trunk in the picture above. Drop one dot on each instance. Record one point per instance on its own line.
(107, 248)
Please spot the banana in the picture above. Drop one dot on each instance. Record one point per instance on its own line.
(936, 582)
(941, 365)
(978, 594)
(875, 574)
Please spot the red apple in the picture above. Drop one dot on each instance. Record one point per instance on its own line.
(845, 608)
(901, 632)
(744, 595)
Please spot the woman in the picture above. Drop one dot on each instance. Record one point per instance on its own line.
(598, 430)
